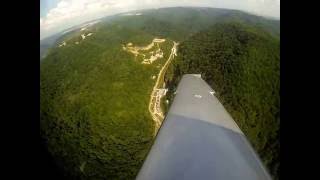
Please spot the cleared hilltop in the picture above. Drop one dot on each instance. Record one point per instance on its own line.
(97, 82)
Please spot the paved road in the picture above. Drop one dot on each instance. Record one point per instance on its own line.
(156, 113)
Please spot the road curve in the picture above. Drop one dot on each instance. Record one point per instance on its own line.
(158, 116)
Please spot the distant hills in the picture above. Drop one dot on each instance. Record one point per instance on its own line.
(94, 95)
(185, 21)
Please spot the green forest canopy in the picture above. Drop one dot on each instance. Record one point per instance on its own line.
(94, 96)
(242, 64)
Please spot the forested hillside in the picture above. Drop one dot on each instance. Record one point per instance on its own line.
(94, 93)
(94, 104)
(179, 23)
(242, 64)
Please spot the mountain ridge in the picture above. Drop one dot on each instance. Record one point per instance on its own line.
(94, 95)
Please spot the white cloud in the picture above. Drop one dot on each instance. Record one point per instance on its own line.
(72, 12)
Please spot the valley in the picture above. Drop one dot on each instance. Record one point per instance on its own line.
(106, 85)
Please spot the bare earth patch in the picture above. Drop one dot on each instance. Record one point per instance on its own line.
(137, 50)
(158, 92)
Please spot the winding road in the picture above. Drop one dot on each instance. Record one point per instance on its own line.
(154, 104)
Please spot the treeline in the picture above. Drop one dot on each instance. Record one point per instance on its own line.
(242, 64)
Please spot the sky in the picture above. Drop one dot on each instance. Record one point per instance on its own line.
(58, 15)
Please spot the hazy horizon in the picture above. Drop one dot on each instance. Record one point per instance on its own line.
(59, 15)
